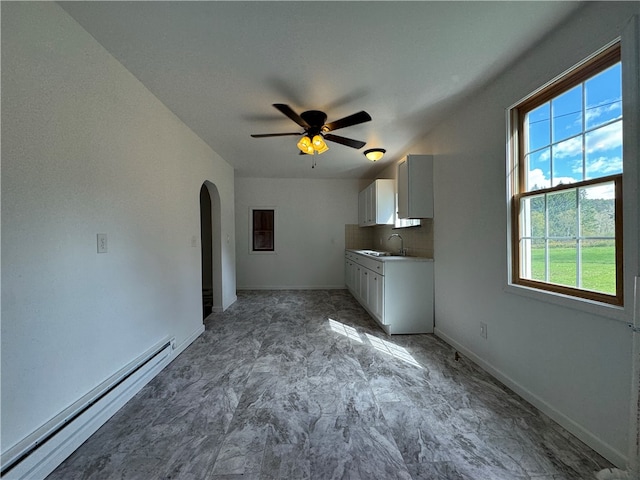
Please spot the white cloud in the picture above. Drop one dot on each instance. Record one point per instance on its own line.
(606, 192)
(568, 148)
(593, 113)
(603, 166)
(537, 179)
(605, 138)
(563, 180)
(545, 155)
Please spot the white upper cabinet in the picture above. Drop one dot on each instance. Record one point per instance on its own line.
(376, 203)
(415, 187)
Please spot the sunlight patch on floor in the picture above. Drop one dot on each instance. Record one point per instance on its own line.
(345, 330)
(393, 350)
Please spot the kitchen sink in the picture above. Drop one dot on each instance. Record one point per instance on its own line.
(375, 253)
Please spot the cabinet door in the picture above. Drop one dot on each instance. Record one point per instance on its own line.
(376, 295)
(365, 207)
(364, 284)
(352, 276)
(362, 208)
(370, 204)
(415, 187)
(403, 190)
(348, 274)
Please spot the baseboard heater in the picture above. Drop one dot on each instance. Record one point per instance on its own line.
(16, 455)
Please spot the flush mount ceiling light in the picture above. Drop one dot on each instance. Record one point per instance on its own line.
(374, 154)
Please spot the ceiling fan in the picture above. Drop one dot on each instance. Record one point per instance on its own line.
(316, 130)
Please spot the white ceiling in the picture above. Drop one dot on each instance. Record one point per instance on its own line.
(219, 66)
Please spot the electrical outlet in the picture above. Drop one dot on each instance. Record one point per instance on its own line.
(102, 243)
(483, 330)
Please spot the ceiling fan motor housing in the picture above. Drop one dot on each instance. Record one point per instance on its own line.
(316, 119)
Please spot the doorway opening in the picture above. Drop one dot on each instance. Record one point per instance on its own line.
(210, 244)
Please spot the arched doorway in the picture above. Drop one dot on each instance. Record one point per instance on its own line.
(210, 242)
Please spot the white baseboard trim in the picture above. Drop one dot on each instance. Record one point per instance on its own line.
(233, 299)
(607, 451)
(291, 287)
(56, 448)
(188, 341)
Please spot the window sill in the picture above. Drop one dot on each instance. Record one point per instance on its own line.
(589, 306)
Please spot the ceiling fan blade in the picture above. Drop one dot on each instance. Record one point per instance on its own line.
(264, 135)
(354, 119)
(286, 109)
(349, 142)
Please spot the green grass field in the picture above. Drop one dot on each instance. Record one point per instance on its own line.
(598, 266)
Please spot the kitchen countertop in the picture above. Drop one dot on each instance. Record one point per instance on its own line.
(389, 258)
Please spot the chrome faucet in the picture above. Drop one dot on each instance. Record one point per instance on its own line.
(403, 252)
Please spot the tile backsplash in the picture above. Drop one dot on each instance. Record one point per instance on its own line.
(358, 238)
(417, 240)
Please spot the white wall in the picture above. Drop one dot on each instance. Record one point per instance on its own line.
(86, 149)
(573, 363)
(311, 215)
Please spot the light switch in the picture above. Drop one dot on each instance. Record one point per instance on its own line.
(102, 243)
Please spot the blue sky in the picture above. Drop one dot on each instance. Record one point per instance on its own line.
(557, 144)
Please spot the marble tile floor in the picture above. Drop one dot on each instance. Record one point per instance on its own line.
(301, 385)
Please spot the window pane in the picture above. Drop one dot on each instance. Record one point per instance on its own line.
(538, 127)
(567, 161)
(597, 211)
(562, 214)
(604, 151)
(533, 217)
(598, 265)
(562, 262)
(263, 230)
(533, 259)
(603, 95)
(538, 170)
(567, 114)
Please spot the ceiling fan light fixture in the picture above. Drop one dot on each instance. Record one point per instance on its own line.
(318, 142)
(304, 144)
(374, 154)
(322, 149)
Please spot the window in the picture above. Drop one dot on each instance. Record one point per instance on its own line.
(567, 188)
(262, 229)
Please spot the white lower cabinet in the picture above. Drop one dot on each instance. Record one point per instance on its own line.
(363, 284)
(396, 291)
(349, 274)
(376, 295)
